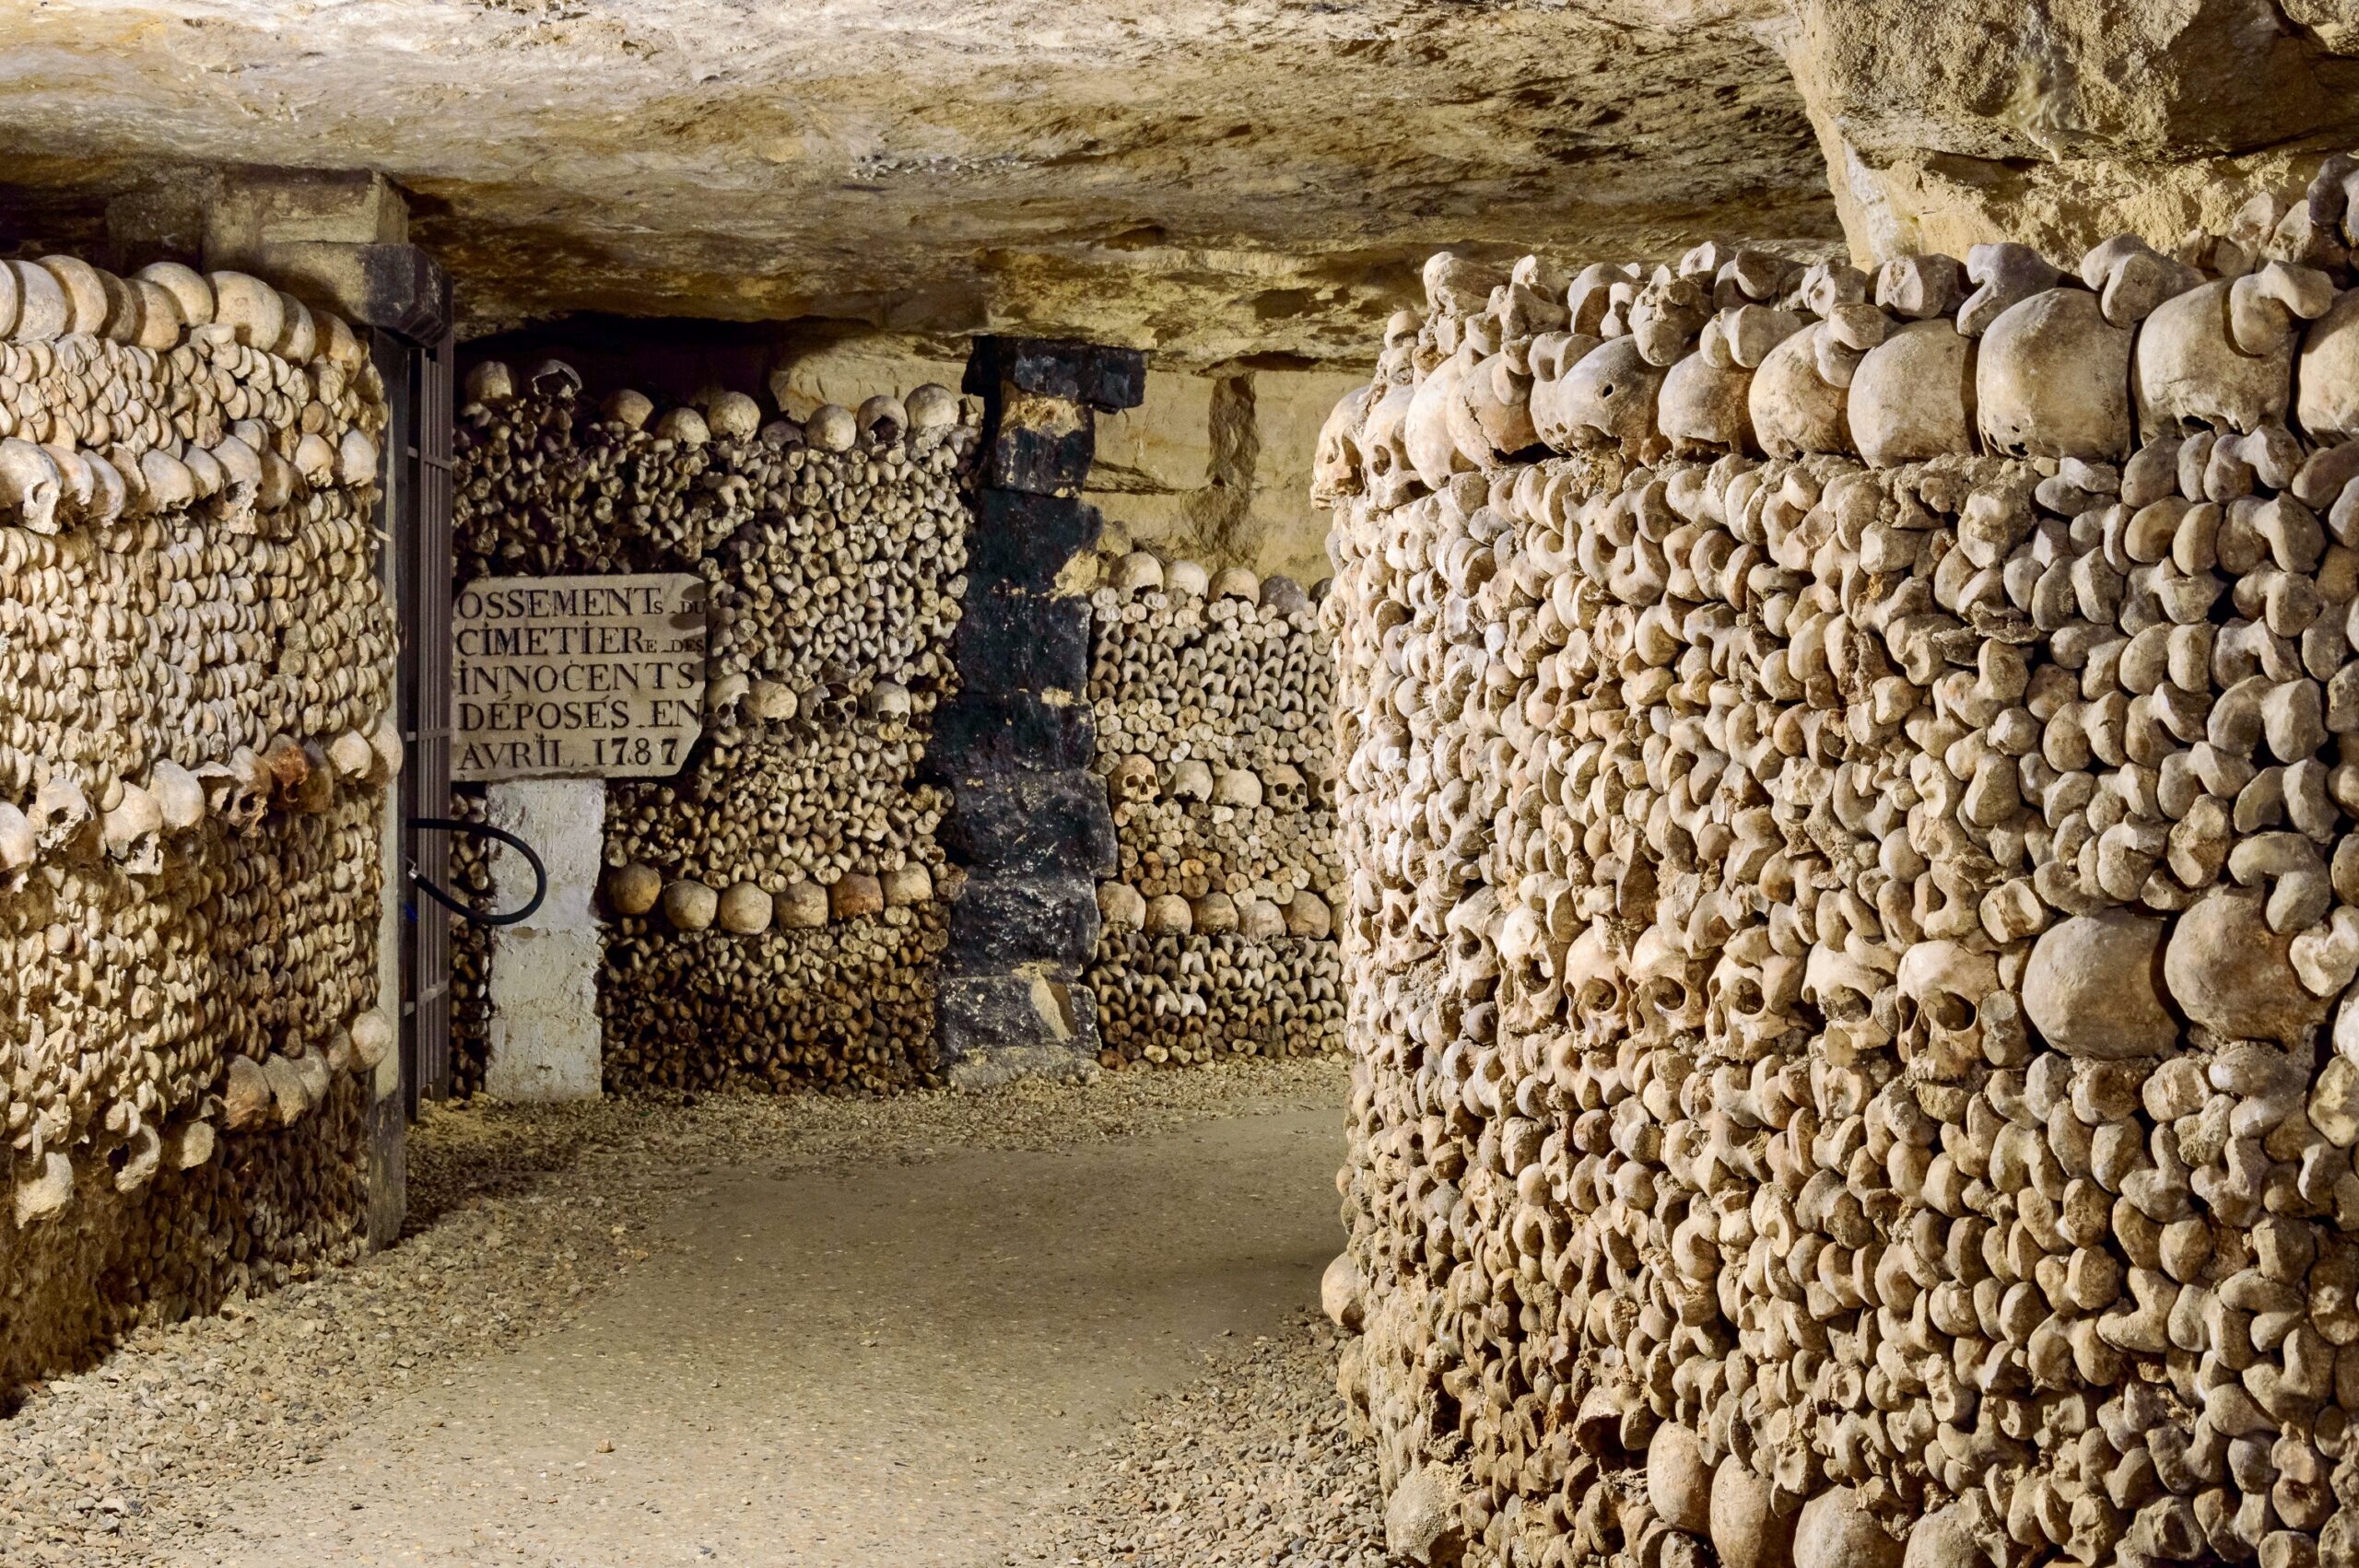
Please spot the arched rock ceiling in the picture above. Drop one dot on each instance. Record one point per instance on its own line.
(1207, 177)
(1210, 177)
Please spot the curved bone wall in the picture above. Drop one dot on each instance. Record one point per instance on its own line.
(1847, 787)
(198, 664)
(774, 906)
(1212, 695)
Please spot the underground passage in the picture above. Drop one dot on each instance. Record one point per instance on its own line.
(1376, 784)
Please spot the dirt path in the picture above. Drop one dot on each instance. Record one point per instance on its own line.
(897, 1364)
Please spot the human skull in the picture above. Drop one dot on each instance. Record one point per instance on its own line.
(1668, 985)
(1943, 987)
(1796, 410)
(1493, 414)
(1336, 463)
(1850, 991)
(1132, 778)
(1912, 396)
(31, 485)
(1606, 399)
(60, 813)
(1705, 404)
(1426, 430)
(2190, 374)
(1190, 780)
(1391, 477)
(2052, 380)
(1749, 1000)
(134, 832)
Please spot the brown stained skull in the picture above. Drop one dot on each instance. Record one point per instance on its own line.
(1847, 989)
(1338, 461)
(1392, 478)
(1668, 987)
(1943, 987)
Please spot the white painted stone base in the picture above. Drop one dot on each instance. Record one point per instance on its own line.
(544, 1035)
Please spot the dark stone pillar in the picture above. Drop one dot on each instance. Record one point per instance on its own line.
(1029, 824)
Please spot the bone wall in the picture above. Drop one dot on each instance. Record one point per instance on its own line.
(772, 906)
(1212, 695)
(1846, 791)
(198, 660)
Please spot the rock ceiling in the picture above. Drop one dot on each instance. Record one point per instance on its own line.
(1211, 179)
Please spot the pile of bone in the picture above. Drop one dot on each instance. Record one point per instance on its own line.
(781, 805)
(187, 563)
(197, 656)
(748, 908)
(1182, 1000)
(834, 546)
(470, 883)
(1211, 693)
(288, 1204)
(193, 957)
(1851, 949)
(848, 1005)
(1226, 668)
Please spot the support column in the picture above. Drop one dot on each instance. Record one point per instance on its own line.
(1028, 823)
(545, 1038)
(339, 240)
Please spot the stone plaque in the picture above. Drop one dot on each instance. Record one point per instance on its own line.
(598, 676)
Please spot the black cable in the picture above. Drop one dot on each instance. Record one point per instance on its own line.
(483, 829)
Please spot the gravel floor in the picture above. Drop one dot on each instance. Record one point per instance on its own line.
(1251, 1465)
(518, 1217)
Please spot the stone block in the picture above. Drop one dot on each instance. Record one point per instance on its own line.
(991, 1028)
(1010, 640)
(546, 1037)
(1104, 379)
(980, 733)
(1019, 537)
(1035, 821)
(1162, 445)
(1035, 922)
(400, 288)
(1041, 444)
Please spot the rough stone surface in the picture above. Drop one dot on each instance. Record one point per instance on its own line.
(1044, 821)
(1004, 922)
(1952, 125)
(1210, 179)
(546, 1035)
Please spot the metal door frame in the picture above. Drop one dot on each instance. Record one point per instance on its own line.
(418, 510)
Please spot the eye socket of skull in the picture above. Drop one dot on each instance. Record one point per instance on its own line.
(1948, 1010)
(1666, 993)
(1598, 995)
(1844, 1006)
(1745, 996)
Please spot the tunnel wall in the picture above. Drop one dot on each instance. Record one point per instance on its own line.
(198, 664)
(1212, 698)
(1845, 788)
(772, 908)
